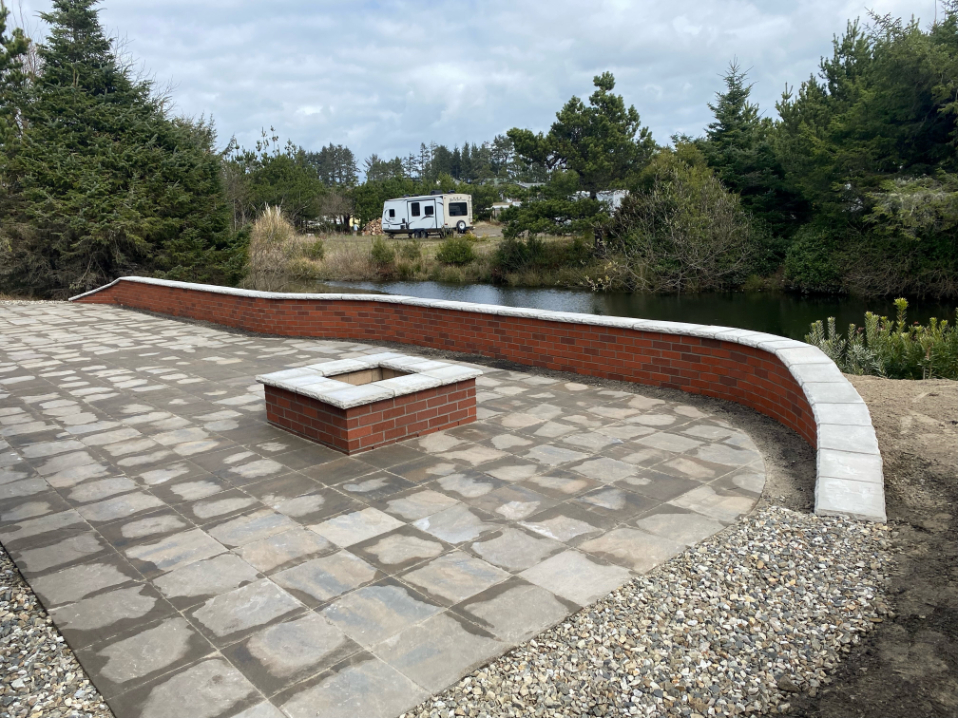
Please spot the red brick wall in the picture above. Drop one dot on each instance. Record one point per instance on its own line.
(725, 370)
(377, 424)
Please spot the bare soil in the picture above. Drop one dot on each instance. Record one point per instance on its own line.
(908, 666)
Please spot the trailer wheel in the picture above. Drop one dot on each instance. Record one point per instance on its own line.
(461, 226)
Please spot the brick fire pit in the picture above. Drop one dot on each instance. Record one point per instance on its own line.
(354, 405)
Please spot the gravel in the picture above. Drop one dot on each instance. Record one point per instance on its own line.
(39, 675)
(733, 626)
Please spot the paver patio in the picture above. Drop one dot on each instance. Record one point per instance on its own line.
(204, 563)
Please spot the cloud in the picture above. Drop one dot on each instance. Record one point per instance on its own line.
(385, 75)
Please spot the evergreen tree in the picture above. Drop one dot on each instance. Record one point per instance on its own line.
(335, 165)
(102, 181)
(13, 47)
(738, 146)
(441, 162)
(870, 144)
(502, 158)
(285, 176)
(465, 164)
(602, 142)
(456, 169)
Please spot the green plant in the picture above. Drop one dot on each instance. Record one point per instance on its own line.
(381, 253)
(456, 250)
(812, 263)
(683, 231)
(315, 249)
(514, 254)
(411, 250)
(891, 348)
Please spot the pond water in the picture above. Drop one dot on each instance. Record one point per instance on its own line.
(776, 313)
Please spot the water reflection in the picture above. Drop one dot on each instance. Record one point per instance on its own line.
(784, 314)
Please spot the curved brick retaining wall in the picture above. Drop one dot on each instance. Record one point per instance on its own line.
(792, 382)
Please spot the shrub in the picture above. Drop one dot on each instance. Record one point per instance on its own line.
(812, 264)
(514, 254)
(683, 230)
(381, 253)
(411, 250)
(315, 249)
(274, 248)
(891, 349)
(456, 250)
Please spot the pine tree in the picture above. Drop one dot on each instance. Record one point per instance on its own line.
(738, 146)
(466, 173)
(13, 47)
(103, 181)
(603, 142)
(456, 169)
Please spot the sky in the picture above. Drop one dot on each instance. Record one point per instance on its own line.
(382, 76)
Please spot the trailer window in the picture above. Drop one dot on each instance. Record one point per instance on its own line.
(457, 209)
(429, 209)
(392, 214)
(415, 209)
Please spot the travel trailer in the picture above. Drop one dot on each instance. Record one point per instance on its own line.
(436, 214)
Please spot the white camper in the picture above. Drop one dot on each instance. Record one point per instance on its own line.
(438, 214)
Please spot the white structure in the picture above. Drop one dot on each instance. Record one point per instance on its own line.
(428, 214)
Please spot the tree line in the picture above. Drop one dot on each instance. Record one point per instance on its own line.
(852, 186)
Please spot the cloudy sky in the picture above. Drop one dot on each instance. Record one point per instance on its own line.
(384, 75)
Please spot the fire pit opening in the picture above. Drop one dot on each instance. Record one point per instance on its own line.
(368, 376)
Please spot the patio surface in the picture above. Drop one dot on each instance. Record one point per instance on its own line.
(201, 562)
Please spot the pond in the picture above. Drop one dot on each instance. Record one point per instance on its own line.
(776, 313)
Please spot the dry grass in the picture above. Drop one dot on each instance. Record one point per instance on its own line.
(348, 259)
(278, 255)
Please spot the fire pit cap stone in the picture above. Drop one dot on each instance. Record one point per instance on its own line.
(319, 382)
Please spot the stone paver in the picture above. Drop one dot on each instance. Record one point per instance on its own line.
(202, 562)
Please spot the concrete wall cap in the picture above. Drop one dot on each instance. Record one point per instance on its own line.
(832, 392)
(842, 414)
(839, 497)
(850, 465)
(859, 439)
(818, 374)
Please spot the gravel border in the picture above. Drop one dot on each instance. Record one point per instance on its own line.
(731, 627)
(39, 675)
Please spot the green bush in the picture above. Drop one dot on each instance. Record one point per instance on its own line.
(891, 349)
(812, 264)
(520, 255)
(411, 250)
(381, 253)
(456, 250)
(315, 249)
(683, 230)
(514, 254)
